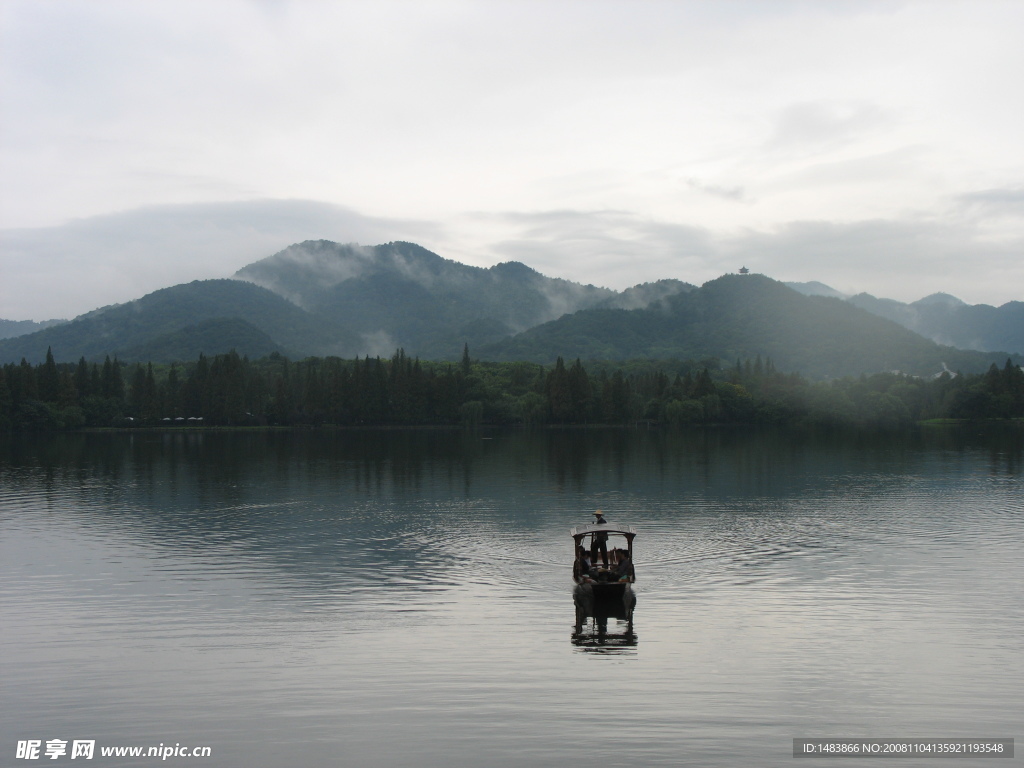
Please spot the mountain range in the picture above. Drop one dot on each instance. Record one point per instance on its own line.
(11, 328)
(943, 318)
(325, 298)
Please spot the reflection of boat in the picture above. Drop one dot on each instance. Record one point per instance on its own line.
(593, 613)
(614, 573)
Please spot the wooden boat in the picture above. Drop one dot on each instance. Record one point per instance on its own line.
(603, 625)
(610, 550)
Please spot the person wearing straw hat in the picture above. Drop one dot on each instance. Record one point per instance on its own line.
(600, 541)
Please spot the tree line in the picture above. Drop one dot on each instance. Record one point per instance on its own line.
(229, 390)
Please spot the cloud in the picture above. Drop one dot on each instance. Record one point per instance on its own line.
(64, 271)
(816, 125)
(904, 259)
(607, 248)
(728, 193)
(70, 269)
(994, 202)
(424, 110)
(901, 258)
(609, 142)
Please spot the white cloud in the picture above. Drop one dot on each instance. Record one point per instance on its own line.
(904, 259)
(70, 269)
(721, 119)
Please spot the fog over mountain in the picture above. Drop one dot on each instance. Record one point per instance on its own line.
(323, 298)
(401, 294)
(943, 318)
(11, 328)
(612, 143)
(743, 317)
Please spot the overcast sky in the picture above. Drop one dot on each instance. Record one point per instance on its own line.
(873, 146)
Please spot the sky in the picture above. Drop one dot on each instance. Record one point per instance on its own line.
(872, 146)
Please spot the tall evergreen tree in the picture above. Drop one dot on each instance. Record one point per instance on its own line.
(6, 401)
(559, 394)
(48, 379)
(27, 389)
(83, 379)
(171, 393)
(67, 393)
(579, 393)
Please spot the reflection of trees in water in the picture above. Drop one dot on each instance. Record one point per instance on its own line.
(219, 467)
(592, 633)
(469, 461)
(380, 498)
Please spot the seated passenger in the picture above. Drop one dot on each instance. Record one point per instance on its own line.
(624, 569)
(584, 561)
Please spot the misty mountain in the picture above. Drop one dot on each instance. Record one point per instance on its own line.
(218, 314)
(942, 318)
(402, 295)
(11, 328)
(321, 298)
(193, 340)
(646, 294)
(814, 288)
(740, 317)
(947, 320)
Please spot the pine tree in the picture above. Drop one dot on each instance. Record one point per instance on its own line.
(281, 403)
(579, 393)
(150, 401)
(28, 389)
(137, 393)
(112, 383)
(704, 385)
(6, 401)
(67, 393)
(83, 380)
(171, 393)
(559, 394)
(48, 379)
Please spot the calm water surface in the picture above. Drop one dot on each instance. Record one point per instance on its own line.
(403, 598)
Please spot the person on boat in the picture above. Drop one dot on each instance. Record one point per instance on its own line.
(600, 541)
(584, 560)
(581, 567)
(624, 569)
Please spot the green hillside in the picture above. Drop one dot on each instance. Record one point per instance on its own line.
(11, 328)
(415, 299)
(947, 320)
(320, 298)
(741, 317)
(214, 334)
(127, 330)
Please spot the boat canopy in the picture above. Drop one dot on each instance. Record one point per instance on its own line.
(622, 530)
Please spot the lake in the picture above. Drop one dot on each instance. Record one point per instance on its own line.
(404, 597)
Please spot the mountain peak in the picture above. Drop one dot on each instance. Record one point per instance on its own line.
(814, 288)
(648, 294)
(749, 284)
(325, 298)
(514, 269)
(942, 299)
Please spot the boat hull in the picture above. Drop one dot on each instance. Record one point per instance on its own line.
(604, 588)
